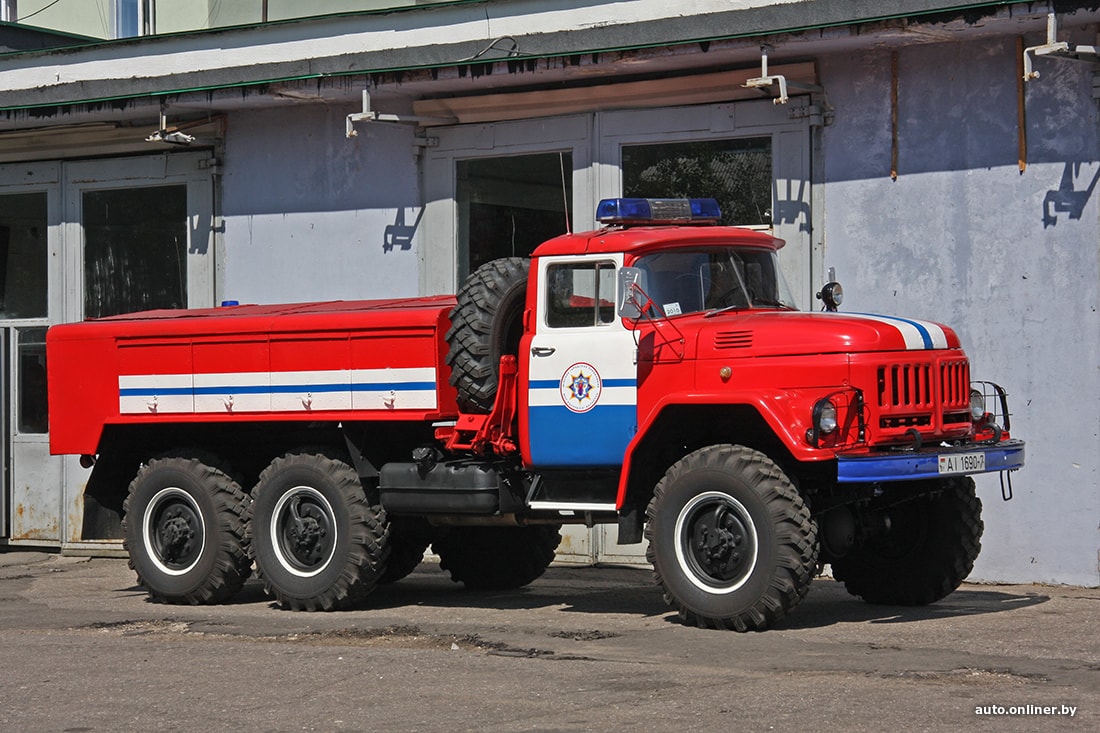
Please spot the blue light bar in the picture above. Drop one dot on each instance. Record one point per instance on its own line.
(658, 211)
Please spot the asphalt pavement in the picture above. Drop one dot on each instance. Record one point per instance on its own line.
(581, 649)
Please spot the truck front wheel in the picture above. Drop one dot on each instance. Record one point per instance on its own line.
(319, 545)
(927, 548)
(184, 530)
(731, 541)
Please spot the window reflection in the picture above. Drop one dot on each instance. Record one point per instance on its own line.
(23, 255)
(135, 250)
(737, 172)
(32, 412)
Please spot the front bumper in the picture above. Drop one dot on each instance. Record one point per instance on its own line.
(930, 462)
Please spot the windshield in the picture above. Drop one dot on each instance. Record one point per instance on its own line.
(712, 279)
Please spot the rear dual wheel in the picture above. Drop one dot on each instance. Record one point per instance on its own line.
(318, 543)
(184, 529)
(497, 558)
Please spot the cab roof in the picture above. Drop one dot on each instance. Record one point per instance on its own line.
(639, 239)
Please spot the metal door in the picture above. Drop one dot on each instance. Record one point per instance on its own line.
(30, 496)
(581, 402)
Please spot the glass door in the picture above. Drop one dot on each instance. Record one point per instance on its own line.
(754, 157)
(500, 191)
(139, 230)
(508, 205)
(138, 235)
(493, 190)
(84, 239)
(30, 499)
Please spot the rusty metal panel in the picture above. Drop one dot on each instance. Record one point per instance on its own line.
(35, 498)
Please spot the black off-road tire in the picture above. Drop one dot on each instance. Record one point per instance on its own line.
(487, 323)
(731, 541)
(497, 558)
(408, 543)
(318, 543)
(184, 529)
(929, 551)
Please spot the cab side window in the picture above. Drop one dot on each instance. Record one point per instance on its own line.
(580, 294)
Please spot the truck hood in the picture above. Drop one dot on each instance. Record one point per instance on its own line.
(771, 333)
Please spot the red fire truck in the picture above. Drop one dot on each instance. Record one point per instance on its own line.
(653, 373)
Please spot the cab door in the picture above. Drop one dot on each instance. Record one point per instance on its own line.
(582, 387)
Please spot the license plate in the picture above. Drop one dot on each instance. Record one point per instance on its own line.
(962, 463)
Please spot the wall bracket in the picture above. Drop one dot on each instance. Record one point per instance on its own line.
(1054, 48)
(766, 81)
(369, 115)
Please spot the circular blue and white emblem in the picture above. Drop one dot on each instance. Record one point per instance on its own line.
(580, 387)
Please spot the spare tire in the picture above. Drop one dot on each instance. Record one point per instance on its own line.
(486, 324)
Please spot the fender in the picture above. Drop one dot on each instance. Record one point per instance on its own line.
(786, 412)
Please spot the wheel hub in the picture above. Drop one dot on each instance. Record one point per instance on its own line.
(717, 538)
(174, 531)
(305, 532)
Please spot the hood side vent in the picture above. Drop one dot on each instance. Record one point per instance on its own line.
(733, 339)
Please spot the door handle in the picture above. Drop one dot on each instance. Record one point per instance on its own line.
(542, 350)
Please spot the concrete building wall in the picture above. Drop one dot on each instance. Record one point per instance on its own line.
(1009, 259)
(313, 215)
(93, 19)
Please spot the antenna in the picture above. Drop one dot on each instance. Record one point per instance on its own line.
(564, 191)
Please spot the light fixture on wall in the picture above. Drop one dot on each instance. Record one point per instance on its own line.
(173, 136)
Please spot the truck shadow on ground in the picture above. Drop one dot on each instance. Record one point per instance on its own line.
(828, 604)
(630, 592)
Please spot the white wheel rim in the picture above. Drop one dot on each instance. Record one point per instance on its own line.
(688, 567)
(276, 530)
(152, 509)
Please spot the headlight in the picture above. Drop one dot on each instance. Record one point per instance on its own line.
(977, 405)
(825, 416)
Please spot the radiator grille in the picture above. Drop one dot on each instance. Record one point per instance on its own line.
(923, 394)
(905, 386)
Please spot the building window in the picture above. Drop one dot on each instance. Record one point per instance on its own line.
(32, 413)
(135, 250)
(509, 205)
(737, 172)
(23, 255)
(127, 18)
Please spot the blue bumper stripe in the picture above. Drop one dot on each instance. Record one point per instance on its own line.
(924, 464)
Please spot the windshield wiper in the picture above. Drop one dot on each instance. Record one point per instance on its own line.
(755, 302)
(724, 309)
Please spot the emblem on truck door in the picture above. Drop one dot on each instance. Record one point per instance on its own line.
(580, 387)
